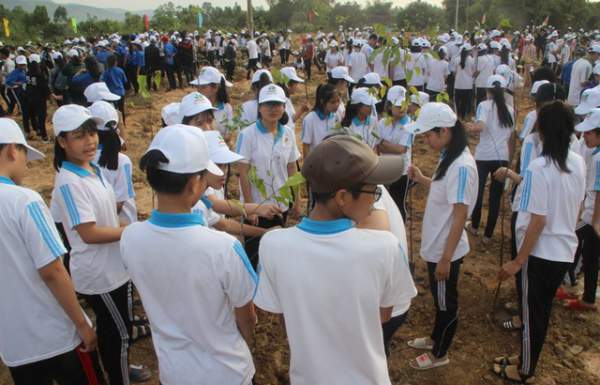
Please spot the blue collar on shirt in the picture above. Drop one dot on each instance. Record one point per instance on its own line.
(206, 201)
(263, 130)
(220, 106)
(597, 150)
(82, 172)
(175, 220)
(324, 227)
(358, 122)
(6, 180)
(322, 116)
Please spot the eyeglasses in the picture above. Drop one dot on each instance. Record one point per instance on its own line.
(272, 105)
(376, 193)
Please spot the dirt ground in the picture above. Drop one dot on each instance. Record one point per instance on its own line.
(572, 351)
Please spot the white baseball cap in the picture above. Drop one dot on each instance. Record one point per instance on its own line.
(271, 93)
(490, 83)
(466, 47)
(421, 98)
(72, 53)
(35, 58)
(596, 70)
(257, 74)
(56, 55)
(10, 132)
(595, 48)
(210, 75)
(20, 60)
(341, 72)
(219, 151)
(536, 86)
(482, 46)
(591, 121)
(104, 111)
(99, 91)
(504, 71)
(396, 95)
(372, 79)
(186, 149)
(170, 114)
(590, 99)
(70, 117)
(290, 73)
(361, 95)
(194, 103)
(433, 115)
(333, 43)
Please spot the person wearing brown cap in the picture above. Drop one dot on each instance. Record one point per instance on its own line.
(334, 283)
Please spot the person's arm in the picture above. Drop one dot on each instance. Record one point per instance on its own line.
(596, 214)
(392, 148)
(244, 169)
(236, 228)
(57, 279)
(245, 319)
(532, 234)
(475, 126)
(385, 313)
(460, 212)
(504, 172)
(295, 210)
(305, 149)
(92, 234)
(415, 174)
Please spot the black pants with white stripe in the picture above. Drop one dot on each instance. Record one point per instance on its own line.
(113, 327)
(539, 280)
(398, 191)
(485, 168)
(445, 299)
(64, 369)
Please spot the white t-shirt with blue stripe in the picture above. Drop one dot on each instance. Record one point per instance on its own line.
(592, 186)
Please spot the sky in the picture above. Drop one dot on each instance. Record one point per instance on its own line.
(134, 5)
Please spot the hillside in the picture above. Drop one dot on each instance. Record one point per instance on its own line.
(80, 12)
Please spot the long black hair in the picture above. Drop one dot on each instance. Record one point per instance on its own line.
(111, 146)
(556, 125)
(458, 142)
(504, 115)
(60, 155)
(325, 92)
(262, 81)
(222, 95)
(463, 58)
(504, 58)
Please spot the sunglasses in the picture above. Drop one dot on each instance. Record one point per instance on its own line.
(376, 193)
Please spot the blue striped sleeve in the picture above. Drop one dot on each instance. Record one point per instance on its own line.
(49, 237)
(206, 201)
(597, 178)
(526, 157)
(240, 139)
(526, 193)
(239, 250)
(479, 112)
(462, 184)
(74, 216)
(129, 177)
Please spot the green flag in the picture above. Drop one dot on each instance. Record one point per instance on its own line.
(74, 24)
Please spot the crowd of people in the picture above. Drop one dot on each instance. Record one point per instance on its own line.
(340, 277)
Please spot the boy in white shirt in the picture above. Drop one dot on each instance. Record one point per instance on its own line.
(203, 319)
(337, 284)
(32, 271)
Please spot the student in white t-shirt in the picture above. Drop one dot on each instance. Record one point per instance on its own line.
(212, 84)
(252, 65)
(484, 68)
(336, 269)
(322, 120)
(358, 119)
(437, 73)
(340, 78)
(444, 242)
(545, 232)
(394, 138)
(416, 64)
(269, 148)
(260, 79)
(115, 165)
(580, 74)
(334, 57)
(34, 280)
(590, 129)
(85, 204)
(464, 68)
(293, 81)
(357, 62)
(495, 123)
(203, 320)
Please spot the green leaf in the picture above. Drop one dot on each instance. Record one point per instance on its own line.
(374, 54)
(387, 81)
(386, 56)
(237, 204)
(257, 182)
(409, 75)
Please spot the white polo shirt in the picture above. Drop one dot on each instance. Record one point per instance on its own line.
(223, 116)
(382, 69)
(463, 78)
(357, 63)
(121, 181)
(33, 325)
(398, 70)
(270, 154)
(204, 208)
(387, 204)
(333, 60)
(459, 185)
(252, 49)
(486, 66)
(582, 69)
(592, 186)
(396, 133)
(190, 279)
(249, 111)
(316, 126)
(437, 71)
(80, 197)
(528, 124)
(330, 286)
(493, 139)
(417, 63)
(558, 241)
(364, 130)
